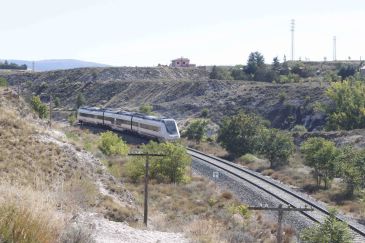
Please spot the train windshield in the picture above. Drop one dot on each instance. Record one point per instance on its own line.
(171, 127)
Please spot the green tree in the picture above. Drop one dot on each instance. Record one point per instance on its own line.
(331, 231)
(146, 109)
(276, 66)
(111, 144)
(39, 107)
(276, 146)
(171, 168)
(348, 109)
(255, 61)
(351, 168)
(80, 101)
(3, 82)
(240, 134)
(321, 154)
(220, 73)
(196, 130)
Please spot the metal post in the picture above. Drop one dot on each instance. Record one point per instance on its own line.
(280, 228)
(146, 191)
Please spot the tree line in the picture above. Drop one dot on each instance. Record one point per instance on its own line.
(7, 65)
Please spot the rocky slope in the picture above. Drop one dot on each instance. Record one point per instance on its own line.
(179, 93)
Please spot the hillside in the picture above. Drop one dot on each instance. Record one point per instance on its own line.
(56, 64)
(179, 93)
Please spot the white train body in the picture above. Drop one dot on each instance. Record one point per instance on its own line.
(161, 128)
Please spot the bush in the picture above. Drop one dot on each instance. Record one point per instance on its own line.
(146, 109)
(3, 82)
(348, 111)
(39, 107)
(248, 158)
(299, 128)
(205, 113)
(220, 73)
(111, 144)
(332, 230)
(321, 154)
(170, 168)
(240, 134)
(276, 146)
(71, 119)
(196, 130)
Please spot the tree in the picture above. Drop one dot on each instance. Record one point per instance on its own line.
(111, 144)
(346, 71)
(240, 134)
(237, 73)
(220, 73)
(80, 101)
(331, 231)
(3, 82)
(171, 168)
(348, 111)
(255, 61)
(321, 154)
(276, 146)
(39, 107)
(351, 168)
(196, 130)
(276, 66)
(146, 109)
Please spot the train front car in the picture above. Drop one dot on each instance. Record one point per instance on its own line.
(171, 130)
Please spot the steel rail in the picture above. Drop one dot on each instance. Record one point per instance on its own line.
(262, 178)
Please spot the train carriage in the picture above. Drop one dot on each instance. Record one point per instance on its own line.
(160, 128)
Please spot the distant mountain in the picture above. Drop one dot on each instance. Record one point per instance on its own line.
(57, 64)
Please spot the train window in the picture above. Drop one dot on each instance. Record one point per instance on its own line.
(171, 127)
(86, 115)
(125, 122)
(149, 127)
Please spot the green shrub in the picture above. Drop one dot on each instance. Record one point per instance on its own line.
(170, 168)
(146, 109)
(248, 158)
(71, 119)
(196, 130)
(332, 230)
(3, 82)
(299, 128)
(111, 144)
(205, 113)
(276, 146)
(321, 154)
(39, 107)
(240, 134)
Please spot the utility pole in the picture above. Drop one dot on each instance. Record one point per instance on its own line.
(334, 49)
(280, 210)
(292, 38)
(50, 111)
(33, 67)
(146, 178)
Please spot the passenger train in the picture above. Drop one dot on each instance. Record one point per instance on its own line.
(161, 128)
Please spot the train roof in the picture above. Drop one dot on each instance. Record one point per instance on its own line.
(126, 113)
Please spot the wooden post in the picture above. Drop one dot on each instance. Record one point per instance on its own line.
(280, 210)
(279, 236)
(146, 178)
(146, 191)
(50, 111)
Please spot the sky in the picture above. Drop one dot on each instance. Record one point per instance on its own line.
(152, 32)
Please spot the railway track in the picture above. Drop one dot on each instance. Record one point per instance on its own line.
(279, 191)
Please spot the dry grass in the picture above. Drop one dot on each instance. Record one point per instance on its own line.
(202, 211)
(27, 215)
(115, 211)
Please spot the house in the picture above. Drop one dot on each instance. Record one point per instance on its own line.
(181, 62)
